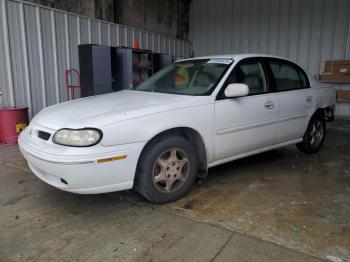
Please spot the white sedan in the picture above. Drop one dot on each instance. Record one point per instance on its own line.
(188, 117)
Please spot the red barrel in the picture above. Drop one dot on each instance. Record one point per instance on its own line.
(12, 121)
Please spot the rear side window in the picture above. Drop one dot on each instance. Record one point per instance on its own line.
(287, 76)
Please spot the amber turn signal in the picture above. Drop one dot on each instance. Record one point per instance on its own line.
(104, 160)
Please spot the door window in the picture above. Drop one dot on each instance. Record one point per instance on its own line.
(251, 74)
(287, 77)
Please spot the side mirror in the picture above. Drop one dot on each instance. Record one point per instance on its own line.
(236, 90)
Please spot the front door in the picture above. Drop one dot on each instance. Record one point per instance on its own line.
(245, 124)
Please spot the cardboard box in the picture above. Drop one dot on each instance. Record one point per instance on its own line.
(343, 95)
(337, 67)
(336, 71)
(336, 78)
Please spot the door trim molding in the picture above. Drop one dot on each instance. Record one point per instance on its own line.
(254, 152)
(259, 124)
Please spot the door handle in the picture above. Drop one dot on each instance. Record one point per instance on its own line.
(309, 99)
(269, 105)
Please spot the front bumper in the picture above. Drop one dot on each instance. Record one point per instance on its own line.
(77, 169)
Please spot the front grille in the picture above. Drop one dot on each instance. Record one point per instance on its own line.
(44, 135)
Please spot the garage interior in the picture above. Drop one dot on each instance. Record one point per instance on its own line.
(281, 205)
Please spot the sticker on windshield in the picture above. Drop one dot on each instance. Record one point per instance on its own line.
(224, 61)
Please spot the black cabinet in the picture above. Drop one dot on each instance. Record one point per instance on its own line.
(95, 69)
(105, 69)
(131, 67)
(160, 61)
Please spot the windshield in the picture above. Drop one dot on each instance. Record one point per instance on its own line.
(191, 77)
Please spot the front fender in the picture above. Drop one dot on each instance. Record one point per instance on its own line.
(143, 129)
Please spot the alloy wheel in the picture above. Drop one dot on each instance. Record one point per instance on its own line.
(171, 170)
(316, 133)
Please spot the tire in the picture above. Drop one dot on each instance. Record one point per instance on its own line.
(314, 135)
(167, 169)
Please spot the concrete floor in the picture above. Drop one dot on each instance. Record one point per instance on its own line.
(277, 206)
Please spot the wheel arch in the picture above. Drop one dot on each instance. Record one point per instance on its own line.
(322, 112)
(193, 136)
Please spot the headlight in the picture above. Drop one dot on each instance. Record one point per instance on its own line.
(77, 137)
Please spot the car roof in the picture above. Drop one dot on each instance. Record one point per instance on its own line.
(234, 56)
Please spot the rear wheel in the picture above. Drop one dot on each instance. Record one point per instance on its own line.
(314, 135)
(167, 169)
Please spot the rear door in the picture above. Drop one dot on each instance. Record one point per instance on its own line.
(293, 96)
(245, 124)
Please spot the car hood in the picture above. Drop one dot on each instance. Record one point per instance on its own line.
(109, 108)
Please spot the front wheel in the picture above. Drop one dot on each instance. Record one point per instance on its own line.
(167, 169)
(314, 136)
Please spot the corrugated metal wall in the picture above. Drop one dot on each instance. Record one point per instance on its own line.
(38, 43)
(306, 31)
